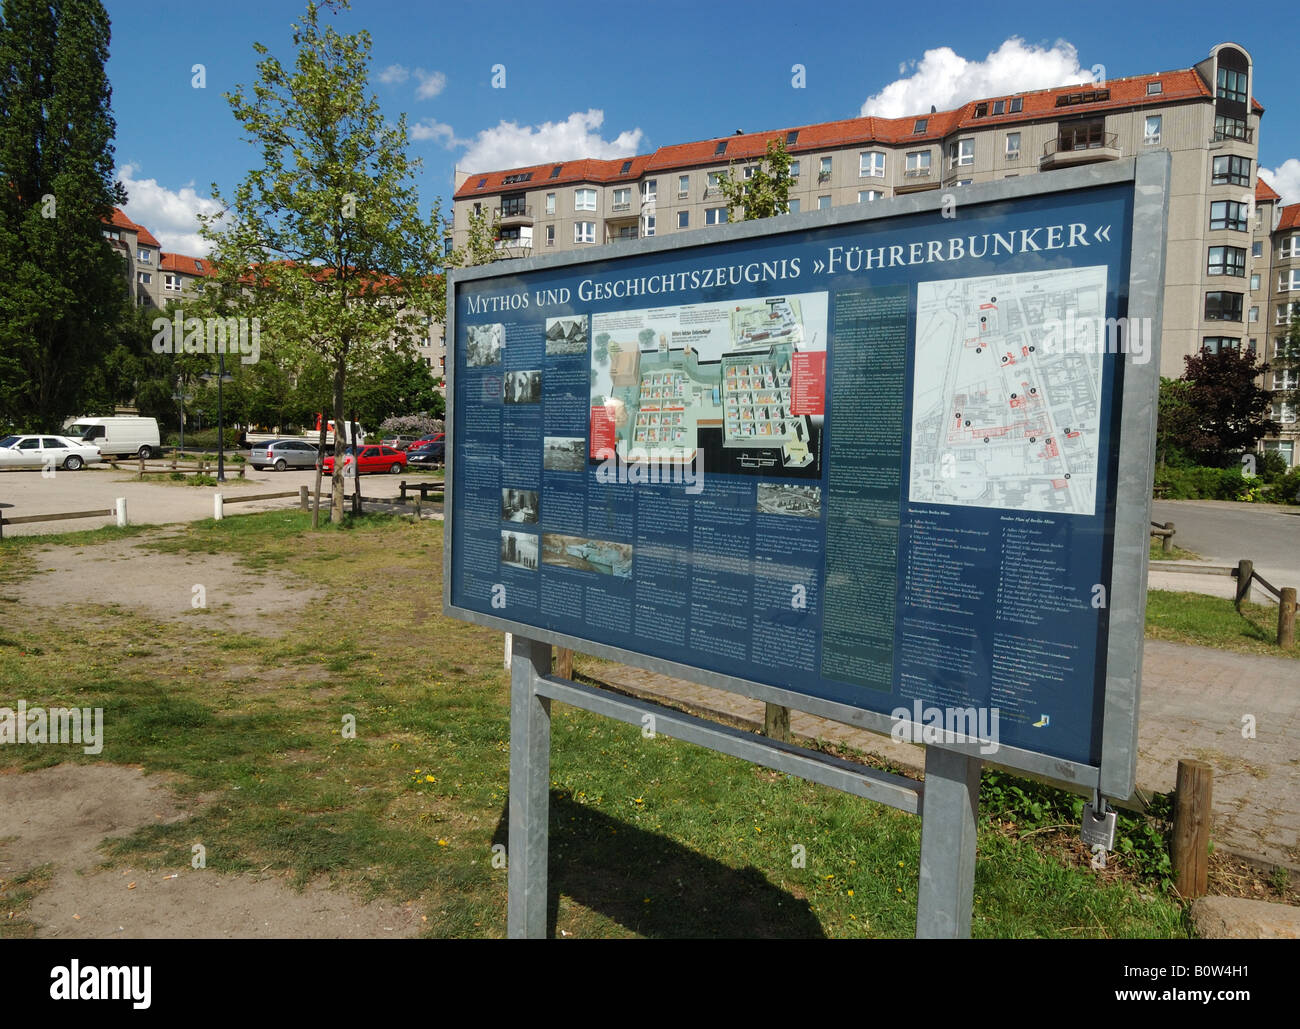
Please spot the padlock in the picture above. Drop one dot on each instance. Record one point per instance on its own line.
(1098, 828)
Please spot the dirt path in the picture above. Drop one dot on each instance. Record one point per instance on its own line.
(61, 815)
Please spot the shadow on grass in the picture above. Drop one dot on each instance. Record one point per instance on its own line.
(654, 886)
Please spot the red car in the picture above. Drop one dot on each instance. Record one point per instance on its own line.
(373, 458)
(424, 441)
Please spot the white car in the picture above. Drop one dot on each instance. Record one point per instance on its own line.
(46, 452)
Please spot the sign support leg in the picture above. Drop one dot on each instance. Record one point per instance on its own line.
(949, 809)
(530, 774)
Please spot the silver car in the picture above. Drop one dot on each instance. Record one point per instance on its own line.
(281, 454)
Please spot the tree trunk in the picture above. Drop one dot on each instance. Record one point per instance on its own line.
(336, 480)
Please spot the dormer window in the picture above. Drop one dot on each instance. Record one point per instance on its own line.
(920, 126)
(627, 167)
(721, 148)
(1155, 88)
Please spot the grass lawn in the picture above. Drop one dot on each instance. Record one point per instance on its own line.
(649, 837)
(1213, 622)
(1176, 553)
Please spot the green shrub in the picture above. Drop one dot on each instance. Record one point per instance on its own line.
(1200, 483)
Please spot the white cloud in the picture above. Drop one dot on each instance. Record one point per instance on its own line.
(1285, 178)
(944, 79)
(438, 131)
(431, 84)
(510, 145)
(394, 74)
(171, 215)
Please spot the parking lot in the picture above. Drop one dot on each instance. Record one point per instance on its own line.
(158, 500)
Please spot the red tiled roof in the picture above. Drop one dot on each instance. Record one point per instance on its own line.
(185, 264)
(1290, 217)
(1264, 192)
(121, 221)
(1039, 105)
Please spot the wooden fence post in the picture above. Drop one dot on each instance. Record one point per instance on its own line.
(1191, 841)
(1245, 572)
(564, 662)
(776, 722)
(303, 497)
(1286, 618)
(141, 475)
(1167, 544)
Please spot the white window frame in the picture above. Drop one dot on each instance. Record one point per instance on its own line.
(1254, 282)
(915, 166)
(648, 228)
(584, 200)
(871, 164)
(1288, 280)
(142, 255)
(826, 206)
(550, 203)
(1151, 129)
(550, 235)
(1013, 152)
(650, 191)
(866, 196)
(1289, 248)
(144, 278)
(794, 169)
(683, 219)
(584, 232)
(623, 195)
(961, 152)
(683, 186)
(715, 180)
(794, 206)
(715, 216)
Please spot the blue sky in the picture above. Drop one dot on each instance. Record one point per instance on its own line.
(604, 80)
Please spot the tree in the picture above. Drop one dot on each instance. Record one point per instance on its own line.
(1229, 409)
(61, 284)
(766, 192)
(1288, 360)
(325, 242)
(1176, 420)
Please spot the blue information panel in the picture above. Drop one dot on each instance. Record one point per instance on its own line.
(872, 463)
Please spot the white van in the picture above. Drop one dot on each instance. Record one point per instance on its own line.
(119, 436)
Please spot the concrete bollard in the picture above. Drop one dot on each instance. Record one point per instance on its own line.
(218, 511)
(509, 641)
(304, 498)
(121, 513)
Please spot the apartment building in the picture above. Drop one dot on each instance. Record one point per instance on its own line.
(156, 278)
(1283, 247)
(1204, 116)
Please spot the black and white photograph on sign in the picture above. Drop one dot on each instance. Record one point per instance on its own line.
(566, 335)
(1006, 408)
(522, 387)
(587, 555)
(519, 549)
(519, 505)
(782, 499)
(484, 344)
(564, 453)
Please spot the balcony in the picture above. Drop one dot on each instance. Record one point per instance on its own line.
(1084, 146)
(916, 173)
(625, 205)
(510, 249)
(1242, 136)
(514, 214)
(823, 176)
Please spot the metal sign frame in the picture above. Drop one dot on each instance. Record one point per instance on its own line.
(952, 769)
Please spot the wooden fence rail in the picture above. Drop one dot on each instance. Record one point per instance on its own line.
(1165, 533)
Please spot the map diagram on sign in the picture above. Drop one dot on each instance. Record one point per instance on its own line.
(1006, 404)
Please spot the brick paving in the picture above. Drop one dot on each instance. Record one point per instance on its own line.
(1193, 703)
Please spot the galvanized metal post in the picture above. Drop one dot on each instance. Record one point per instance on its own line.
(949, 806)
(530, 777)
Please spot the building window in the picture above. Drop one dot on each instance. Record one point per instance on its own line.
(749, 170)
(1288, 281)
(1283, 412)
(999, 106)
(721, 148)
(514, 204)
(649, 224)
(715, 216)
(1228, 214)
(1013, 146)
(1222, 307)
(981, 110)
(622, 199)
(794, 169)
(823, 203)
(794, 206)
(871, 165)
(550, 203)
(172, 282)
(1257, 248)
(584, 232)
(584, 199)
(715, 180)
(1285, 312)
(683, 186)
(1154, 89)
(865, 196)
(1151, 134)
(1284, 447)
(142, 255)
(550, 235)
(792, 137)
(918, 163)
(1254, 314)
(1254, 283)
(1229, 128)
(1226, 261)
(1229, 170)
(1290, 248)
(961, 152)
(1232, 85)
(144, 278)
(1015, 105)
(824, 170)
(683, 219)
(1217, 344)
(510, 180)
(649, 191)
(555, 172)
(920, 126)
(963, 182)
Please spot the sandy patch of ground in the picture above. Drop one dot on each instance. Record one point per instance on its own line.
(161, 586)
(61, 815)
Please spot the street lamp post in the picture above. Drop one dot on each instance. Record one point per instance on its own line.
(181, 398)
(222, 376)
